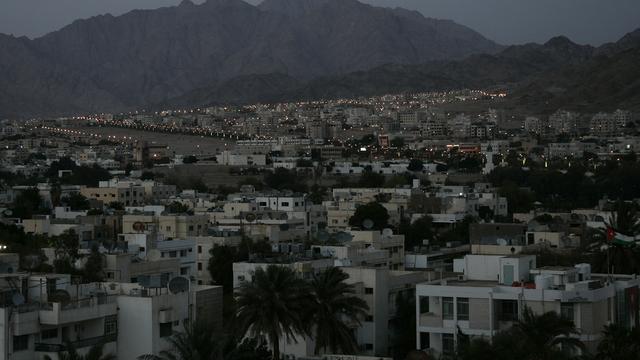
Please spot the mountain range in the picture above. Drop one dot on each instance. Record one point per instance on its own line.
(148, 57)
(540, 78)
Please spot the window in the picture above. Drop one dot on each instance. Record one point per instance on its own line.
(424, 304)
(200, 266)
(183, 253)
(20, 343)
(368, 290)
(173, 254)
(425, 341)
(447, 308)
(508, 310)
(530, 239)
(566, 311)
(448, 344)
(49, 334)
(285, 203)
(168, 228)
(166, 329)
(199, 249)
(463, 308)
(190, 227)
(368, 318)
(111, 325)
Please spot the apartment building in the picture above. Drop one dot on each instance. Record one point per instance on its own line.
(168, 226)
(492, 291)
(128, 196)
(383, 240)
(40, 314)
(204, 245)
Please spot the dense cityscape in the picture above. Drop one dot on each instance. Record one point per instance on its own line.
(402, 225)
(465, 215)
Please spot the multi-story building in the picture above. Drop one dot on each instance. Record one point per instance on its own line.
(42, 314)
(128, 196)
(491, 293)
(168, 226)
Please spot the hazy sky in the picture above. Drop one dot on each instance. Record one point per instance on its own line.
(504, 21)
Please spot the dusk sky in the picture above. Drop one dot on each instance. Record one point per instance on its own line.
(504, 21)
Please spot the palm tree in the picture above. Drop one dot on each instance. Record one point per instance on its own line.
(273, 304)
(197, 342)
(546, 336)
(334, 309)
(95, 353)
(619, 343)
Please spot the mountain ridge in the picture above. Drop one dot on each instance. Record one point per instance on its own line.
(524, 69)
(146, 57)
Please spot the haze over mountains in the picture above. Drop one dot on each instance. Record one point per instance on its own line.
(145, 57)
(228, 51)
(540, 78)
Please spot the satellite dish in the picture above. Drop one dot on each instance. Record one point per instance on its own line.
(501, 242)
(284, 216)
(178, 285)
(8, 212)
(387, 232)
(17, 299)
(251, 217)
(343, 237)
(153, 255)
(322, 235)
(367, 224)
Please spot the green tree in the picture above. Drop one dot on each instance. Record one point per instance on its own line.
(415, 165)
(619, 343)
(545, 337)
(336, 310)
(76, 201)
(94, 268)
(178, 208)
(402, 326)
(27, 204)
(147, 175)
(317, 193)
(273, 304)
(370, 179)
(66, 250)
(283, 179)
(519, 200)
(221, 265)
(115, 205)
(198, 341)
(414, 233)
(372, 212)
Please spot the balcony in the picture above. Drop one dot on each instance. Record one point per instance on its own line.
(79, 344)
(78, 310)
(431, 320)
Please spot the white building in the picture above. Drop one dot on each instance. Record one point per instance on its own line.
(492, 291)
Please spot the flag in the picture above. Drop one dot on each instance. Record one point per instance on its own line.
(620, 239)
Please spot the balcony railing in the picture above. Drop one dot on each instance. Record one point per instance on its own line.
(82, 343)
